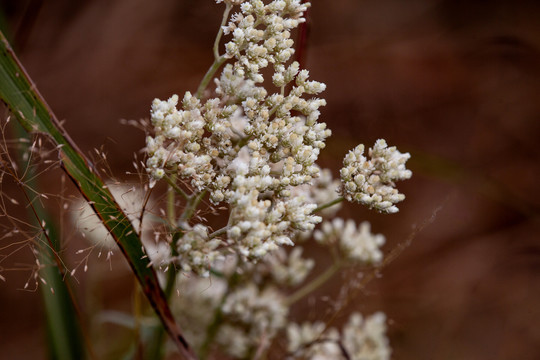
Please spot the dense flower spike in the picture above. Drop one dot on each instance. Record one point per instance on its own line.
(259, 226)
(372, 182)
(246, 147)
(261, 35)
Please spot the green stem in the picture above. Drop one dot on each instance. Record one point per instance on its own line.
(155, 344)
(193, 200)
(172, 183)
(314, 284)
(328, 204)
(212, 329)
(191, 206)
(171, 280)
(219, 232)
(220, 32)
(209, 75)
(218, 60)
(155, 340)
(171, 216)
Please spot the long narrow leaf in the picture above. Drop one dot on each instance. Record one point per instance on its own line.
(64, 333)
(25, 102)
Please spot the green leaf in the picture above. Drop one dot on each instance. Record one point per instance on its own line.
(64, 333)
(21, 96)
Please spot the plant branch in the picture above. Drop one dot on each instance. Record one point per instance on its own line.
(212, 329)
(328, 204)
(192, 204)
(172, 183)
(219, 232)
(220, 32)
(218, 59)
(209, 75)
(314, 284)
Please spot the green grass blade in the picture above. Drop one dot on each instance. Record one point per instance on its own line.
(25, 102)
(64, 336)
(64, 333)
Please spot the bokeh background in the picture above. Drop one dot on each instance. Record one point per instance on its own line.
(455, 83)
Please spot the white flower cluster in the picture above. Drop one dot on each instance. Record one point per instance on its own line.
(289, 269)
(261, 35)
(196, 252)
(196, 304)
(357, 245)
(280, 149)
(252, 312)
(245, 147)
(366, 338)
(362, 339)
(372, 182)
(313, 341)
(259, 226)
(180, 143)
(251, 317)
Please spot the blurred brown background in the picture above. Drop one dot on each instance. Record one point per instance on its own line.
(456, 83)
